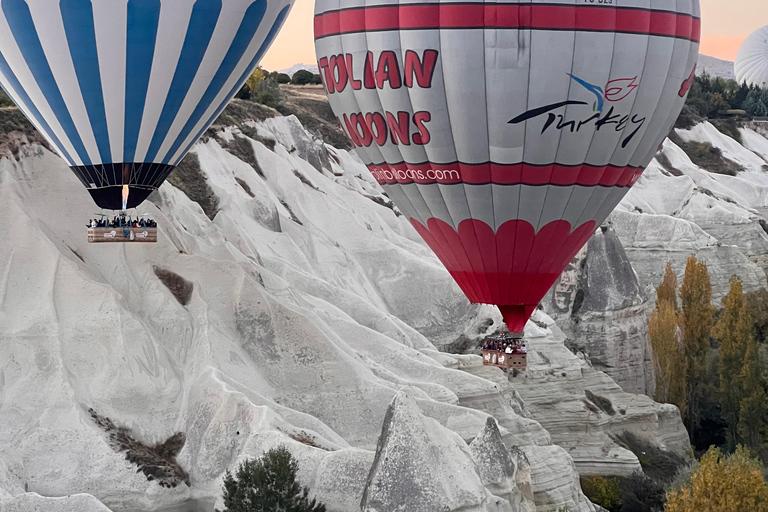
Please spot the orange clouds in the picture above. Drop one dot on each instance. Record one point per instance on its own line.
(722, 47)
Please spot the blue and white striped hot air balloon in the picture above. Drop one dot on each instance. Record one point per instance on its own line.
(122, 89)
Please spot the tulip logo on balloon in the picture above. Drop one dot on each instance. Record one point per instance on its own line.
(615, 90)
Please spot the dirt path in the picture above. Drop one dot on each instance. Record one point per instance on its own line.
(315, 92)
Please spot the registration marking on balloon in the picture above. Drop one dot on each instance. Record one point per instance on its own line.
(507, 131)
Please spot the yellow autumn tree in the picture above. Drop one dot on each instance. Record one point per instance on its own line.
(668, 356)
(697, 318)
(722, 484)
(733, 331)
(667, 290)
(253, 81)
(754, 401)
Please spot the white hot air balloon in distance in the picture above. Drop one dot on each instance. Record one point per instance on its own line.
(507, 131)
(751, 64)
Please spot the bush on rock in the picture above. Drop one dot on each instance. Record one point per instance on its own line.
(268, 484)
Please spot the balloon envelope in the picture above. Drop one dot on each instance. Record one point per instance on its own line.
(123, 88)
(751, 64)
(506, 132)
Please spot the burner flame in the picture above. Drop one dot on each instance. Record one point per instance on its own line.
(125, 196)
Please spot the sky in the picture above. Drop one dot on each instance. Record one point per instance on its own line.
(725, 25)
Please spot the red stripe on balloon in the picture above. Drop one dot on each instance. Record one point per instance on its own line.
(508, 16)
(514, 266)
(506, 174)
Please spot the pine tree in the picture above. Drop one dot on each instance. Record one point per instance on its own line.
(698, 313)
(734, 334)
(668, 356)
(268, 484)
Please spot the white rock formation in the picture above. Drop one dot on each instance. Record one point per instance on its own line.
(556, 485)
(717, 217)
(313, 305)
(422, 466)
(32, 502)
(676, 209)
(732, 150)
(556, 391)
(505, 472)
(601, 307)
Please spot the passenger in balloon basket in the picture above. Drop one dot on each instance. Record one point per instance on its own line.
(122, 228)
(505, 351)
(122, 220)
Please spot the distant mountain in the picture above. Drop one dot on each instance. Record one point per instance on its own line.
(296, 67)
(715, 67)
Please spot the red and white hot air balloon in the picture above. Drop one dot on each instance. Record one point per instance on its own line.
(506, 131)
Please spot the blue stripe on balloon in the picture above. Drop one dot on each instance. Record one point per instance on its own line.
(77, 16)
(264, 46)
(143, 18)
(205, 14)
(248, 26)
(14, 83)
(25, 33)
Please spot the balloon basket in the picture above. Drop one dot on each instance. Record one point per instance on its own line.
(122, 229)
(507, 352)
(122, 235)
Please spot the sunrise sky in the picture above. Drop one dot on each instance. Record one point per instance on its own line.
(725, 24)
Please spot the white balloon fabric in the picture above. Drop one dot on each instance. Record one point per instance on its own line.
(122, 89)
(751, 64)
(507, 131)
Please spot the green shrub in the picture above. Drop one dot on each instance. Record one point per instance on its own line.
(179, 287)
(706, 156)
(189, 177)
(641, 494)
(267, 92)
(689, 117)
(664, 162)
(5, 101)
(243, 149)
(601, 402)
(302, 77)
(729, 127)
(268, 484)
(603, 491)
(635, 493)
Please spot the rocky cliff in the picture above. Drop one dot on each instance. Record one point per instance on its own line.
(601, 307)
(297, 308)
(714, 208)
(582, 409)
(680, 207)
